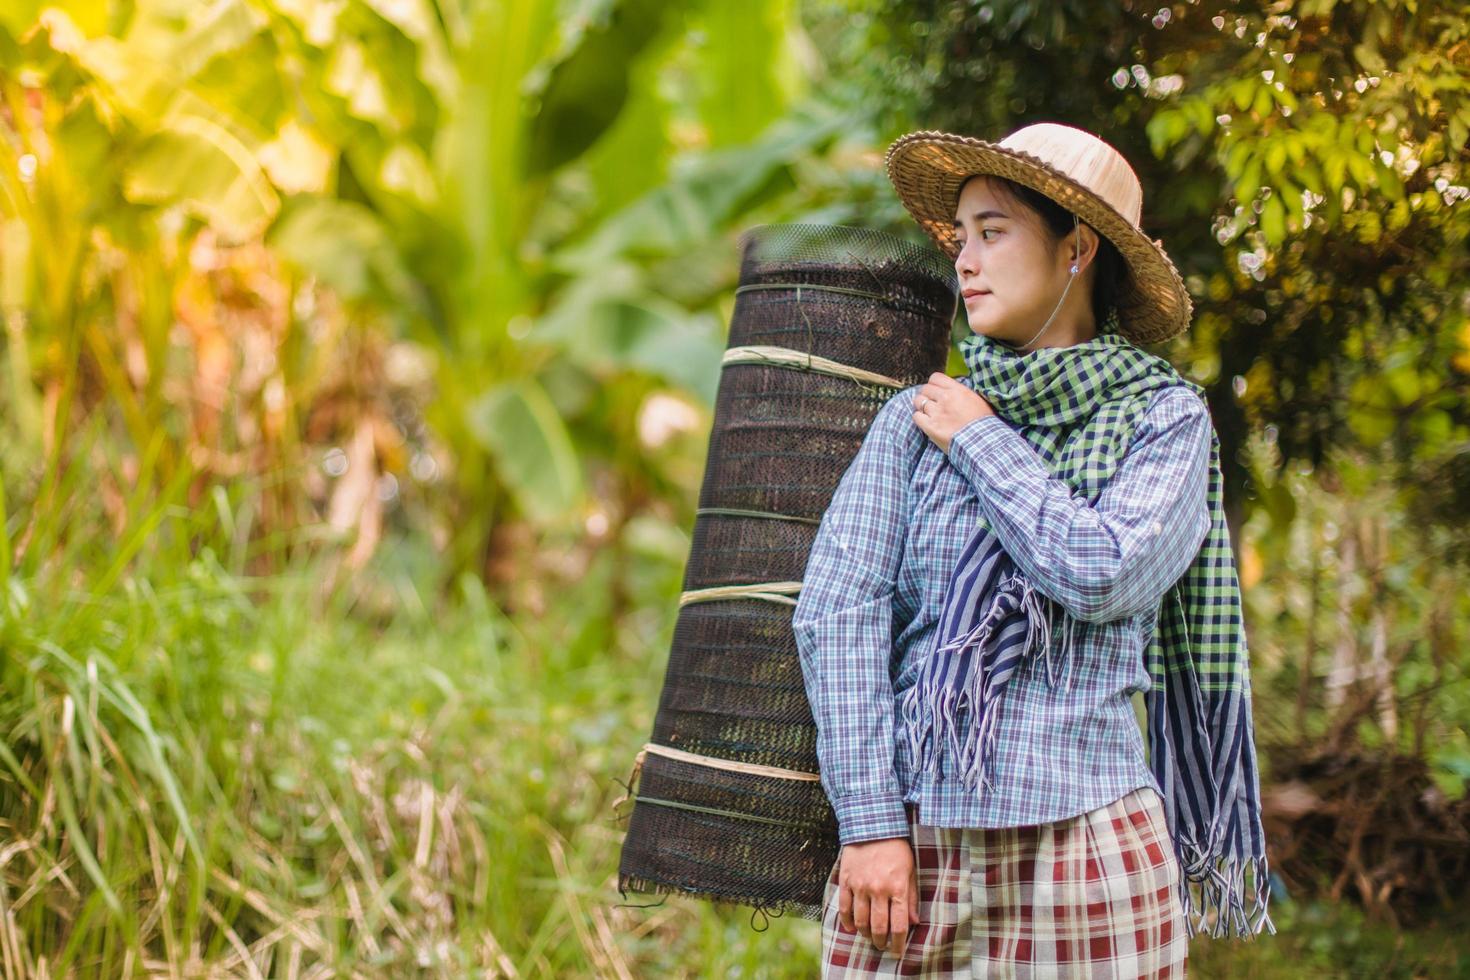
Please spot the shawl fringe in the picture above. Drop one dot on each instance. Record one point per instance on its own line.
(935, 708)
(1223, 897)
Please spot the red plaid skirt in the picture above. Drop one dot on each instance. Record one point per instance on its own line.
(1090, 896)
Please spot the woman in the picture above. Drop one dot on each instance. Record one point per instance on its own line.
(1011, 557)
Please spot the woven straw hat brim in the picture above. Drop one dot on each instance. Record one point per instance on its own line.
(927, 169)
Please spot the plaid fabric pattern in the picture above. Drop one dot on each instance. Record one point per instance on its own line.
(1090, 896)
(873, 591)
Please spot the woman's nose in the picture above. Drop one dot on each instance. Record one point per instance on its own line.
(965, 263)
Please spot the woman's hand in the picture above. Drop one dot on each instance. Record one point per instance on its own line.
(878, 891)
(944, 406)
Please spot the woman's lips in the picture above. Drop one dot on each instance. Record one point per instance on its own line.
(976, 295)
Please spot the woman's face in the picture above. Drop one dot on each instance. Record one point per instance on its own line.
(1011, 272)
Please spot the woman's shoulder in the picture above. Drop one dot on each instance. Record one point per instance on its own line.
(1171, 403)
(1174, 411)
(894, 422)
(897, 409)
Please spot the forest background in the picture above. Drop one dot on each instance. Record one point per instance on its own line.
(358, 366)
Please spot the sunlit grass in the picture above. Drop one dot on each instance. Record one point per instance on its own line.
(203, 772)
(208, 773)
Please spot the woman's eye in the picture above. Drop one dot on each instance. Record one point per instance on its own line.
(960, 242)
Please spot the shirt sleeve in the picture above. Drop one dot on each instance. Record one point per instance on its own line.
(845, 632)
(1115, 558)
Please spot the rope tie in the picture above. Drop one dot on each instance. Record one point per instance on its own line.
(866, 294)
(725, 813)
(890, 299)
(739, 512)
(781, 592)
(729, 765)
(749, 768)
(804, 361)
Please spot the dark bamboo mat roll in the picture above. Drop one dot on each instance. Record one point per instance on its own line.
(727, 804)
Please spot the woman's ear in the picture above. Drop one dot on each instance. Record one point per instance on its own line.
(1084, 248)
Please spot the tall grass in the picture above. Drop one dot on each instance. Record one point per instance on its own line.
(205, 773)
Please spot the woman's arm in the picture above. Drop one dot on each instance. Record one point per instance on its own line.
(844, 629)
(1118, 557)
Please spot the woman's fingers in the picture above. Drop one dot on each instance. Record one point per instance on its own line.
(898, 926)
(914, 898)
(878, 921)
(878, 892)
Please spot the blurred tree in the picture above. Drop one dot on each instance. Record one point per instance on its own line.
(1304, 164)
(540, 198)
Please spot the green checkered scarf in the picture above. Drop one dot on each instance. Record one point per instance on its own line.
(1077, 406)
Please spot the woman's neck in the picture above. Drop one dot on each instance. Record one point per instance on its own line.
(1064, 331)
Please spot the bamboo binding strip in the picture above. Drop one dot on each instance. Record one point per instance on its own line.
(788, 357)
(781, 592)
(750, 768)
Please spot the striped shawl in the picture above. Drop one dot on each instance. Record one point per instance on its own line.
(1078, 406)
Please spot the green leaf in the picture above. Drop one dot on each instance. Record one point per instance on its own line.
(1250, 181)
(1368, 226)
(199, 163)
(517, 424)
(1389, 183)
(1399, 215)
(1291, 197)
(1163, 129)
(346, 246)
(632, 157)
(640, 331)
(1312, 179)
(1275, 155)
(687, 212)
(1243, 92)
(743, 48)
(1404, 382)
(1273, 220)
(1434, 428)
(1280, 505)
(1237, 156)
(213, 30)
(1458, 134)
(1368, 56)
(1335, 170)
(1362, 170)
(583, 94)
(1263, 103)
(1372, 424)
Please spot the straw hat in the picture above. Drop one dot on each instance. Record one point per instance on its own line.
(1072, 167)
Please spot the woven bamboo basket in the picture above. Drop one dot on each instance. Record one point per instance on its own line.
(829, 323)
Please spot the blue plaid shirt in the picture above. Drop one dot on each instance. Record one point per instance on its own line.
(875, 579)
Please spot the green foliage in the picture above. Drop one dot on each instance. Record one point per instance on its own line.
(470, 178)
(206, 770)
(376, 780)
(504, 231)
(520, 427)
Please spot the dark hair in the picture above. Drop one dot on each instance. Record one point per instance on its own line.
(1112, 272)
